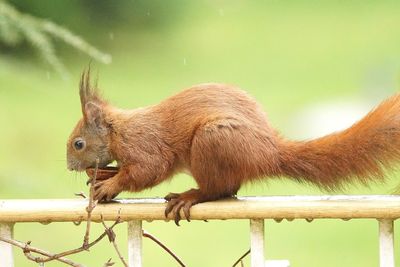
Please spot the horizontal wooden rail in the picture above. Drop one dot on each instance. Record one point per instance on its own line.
(277, 207)
(384, 208)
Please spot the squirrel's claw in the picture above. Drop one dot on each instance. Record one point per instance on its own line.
(171, 196)
(106, 190)
(89, 181)
(176, 203)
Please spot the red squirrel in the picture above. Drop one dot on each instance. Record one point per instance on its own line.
(221, 136)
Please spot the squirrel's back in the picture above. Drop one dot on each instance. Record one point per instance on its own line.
(204, 102)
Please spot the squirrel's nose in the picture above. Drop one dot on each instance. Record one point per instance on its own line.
(70, 167)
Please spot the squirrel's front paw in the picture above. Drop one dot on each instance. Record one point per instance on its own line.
(106, 190)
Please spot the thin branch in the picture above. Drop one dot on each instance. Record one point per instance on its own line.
(108, 263)
(27, 248)
(158, 242)
(80, 249)
(111, 238)
(92, 204)
(241, 258)
(81, 194)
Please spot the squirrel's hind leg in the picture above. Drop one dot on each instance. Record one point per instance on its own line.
(216, 162)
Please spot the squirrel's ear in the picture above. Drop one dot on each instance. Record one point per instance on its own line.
(93, 115)
(83, 93)
(87, 92)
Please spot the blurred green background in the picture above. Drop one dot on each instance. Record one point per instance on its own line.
(300, 59)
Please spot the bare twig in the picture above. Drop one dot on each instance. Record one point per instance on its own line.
(158, 242)
(81, 194)
(111, 238)
(108, 263)
(241, 258)
(80, 249)
(92, 204)
(27, 248)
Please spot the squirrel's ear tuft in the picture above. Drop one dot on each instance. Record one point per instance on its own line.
(88, 92)
(93, 115)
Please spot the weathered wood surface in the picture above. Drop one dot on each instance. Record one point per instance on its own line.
(280, 207)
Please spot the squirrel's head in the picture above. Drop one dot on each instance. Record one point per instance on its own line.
(89, 141)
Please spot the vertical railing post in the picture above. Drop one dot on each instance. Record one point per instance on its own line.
(257, 242)
(6, 252)
(135, 243)
(386, 243)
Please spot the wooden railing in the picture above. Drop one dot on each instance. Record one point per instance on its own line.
(385, 209)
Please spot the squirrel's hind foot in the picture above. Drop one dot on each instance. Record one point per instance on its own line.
(183, 201)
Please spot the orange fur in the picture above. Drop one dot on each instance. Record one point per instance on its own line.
(360, 153)
(221, 136)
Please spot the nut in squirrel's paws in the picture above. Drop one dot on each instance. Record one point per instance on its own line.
(105, 188)
(102, 173)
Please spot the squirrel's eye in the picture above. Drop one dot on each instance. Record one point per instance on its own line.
(79, 144)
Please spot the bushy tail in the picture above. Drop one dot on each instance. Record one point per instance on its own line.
(360, 153)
